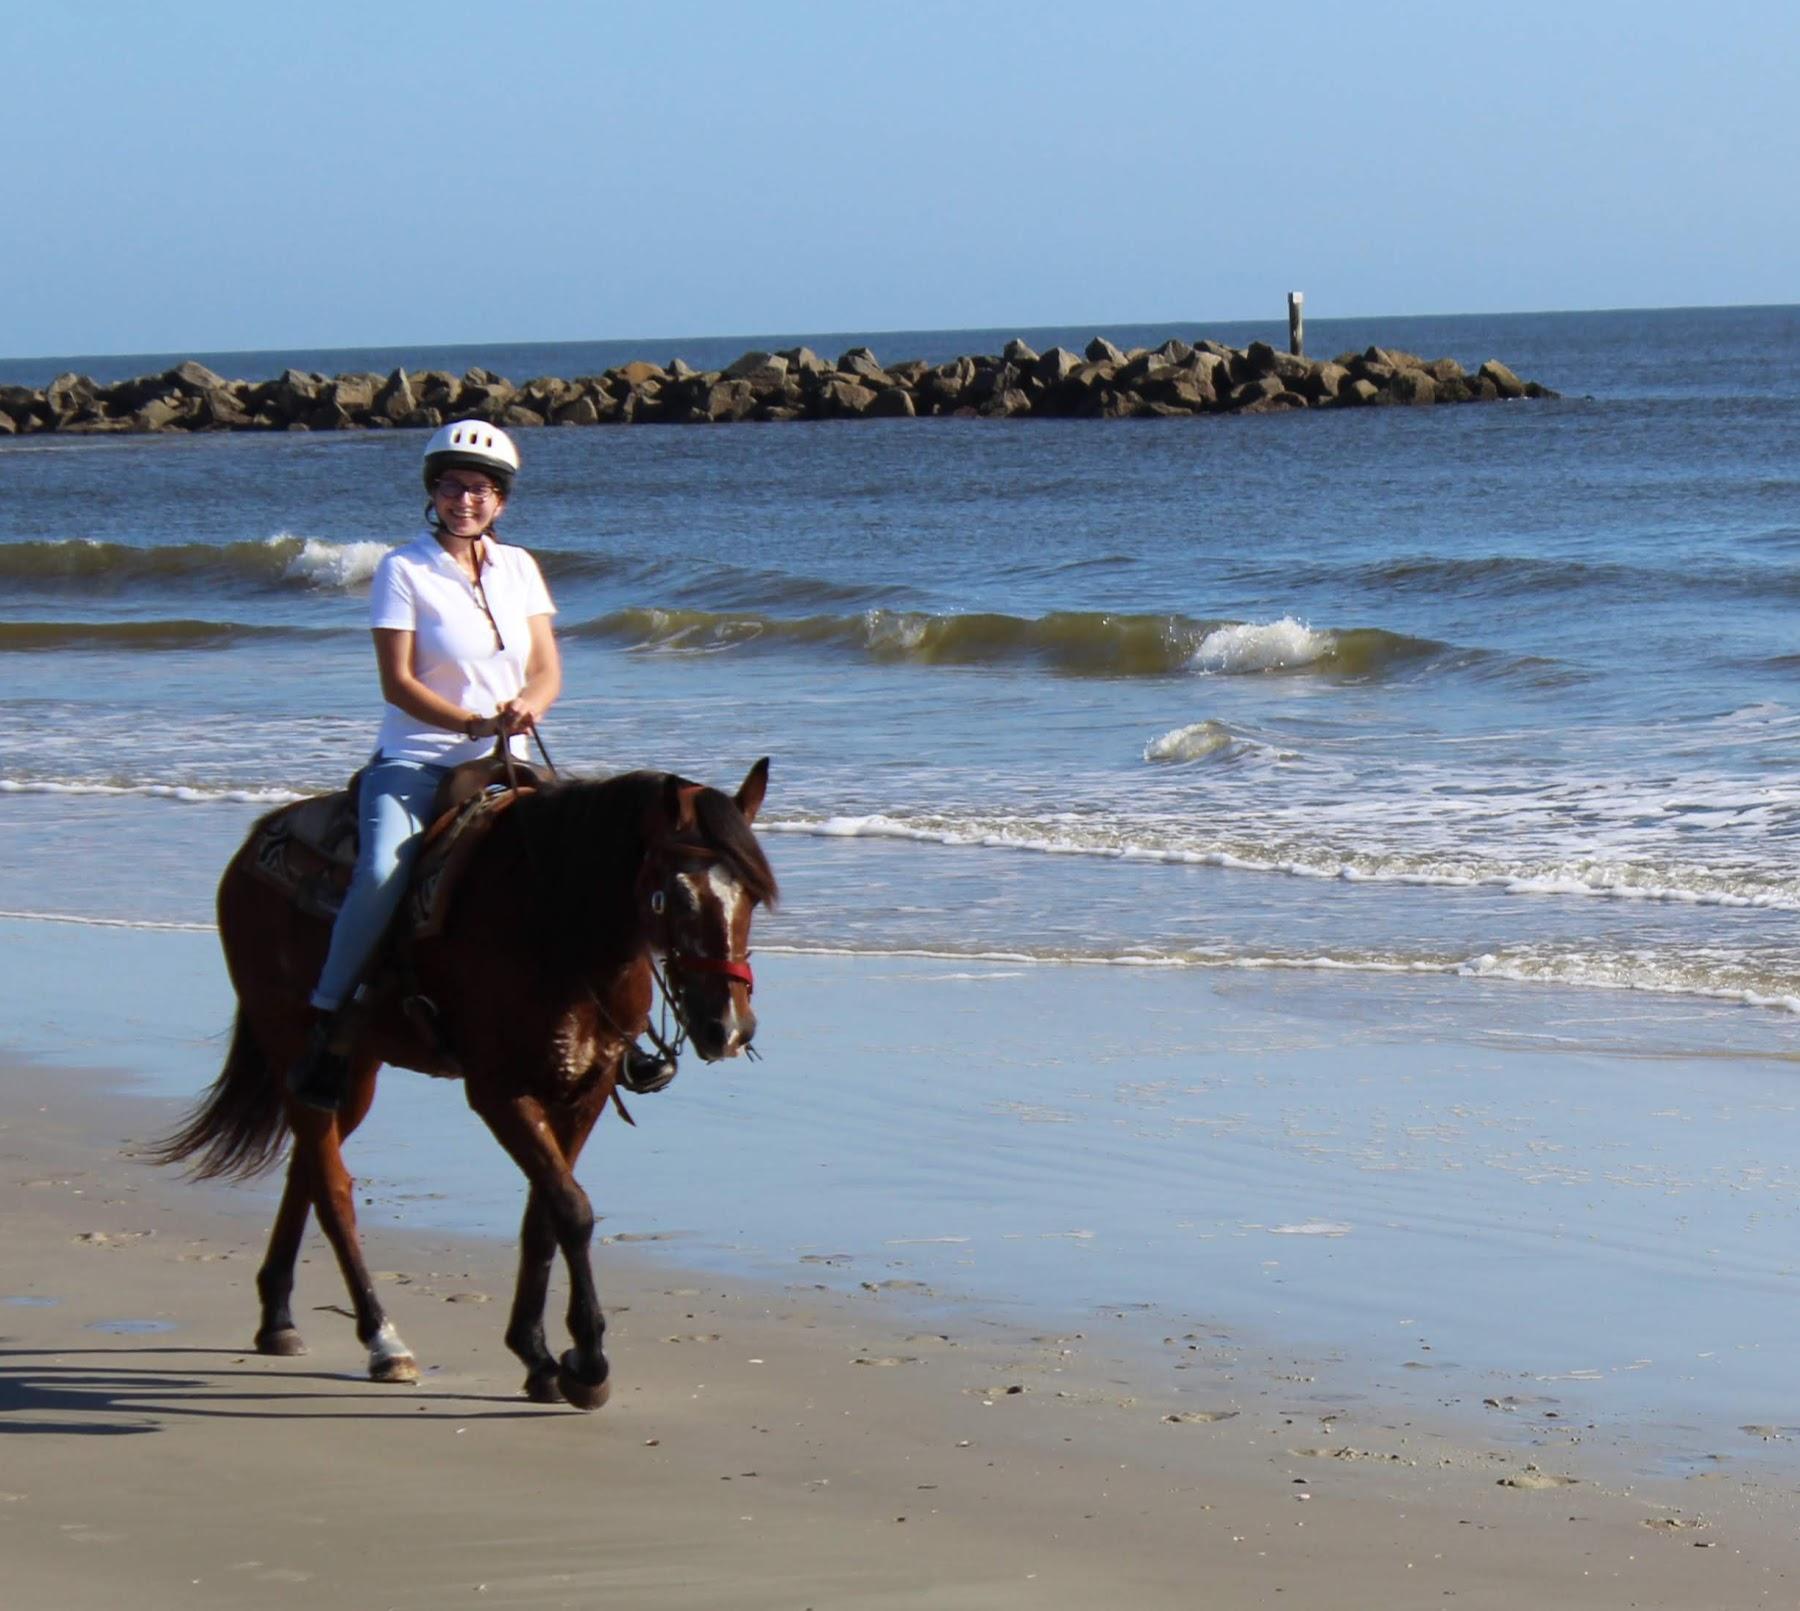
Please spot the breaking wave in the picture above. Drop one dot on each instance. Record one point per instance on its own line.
(1076, 643)
(281, 561)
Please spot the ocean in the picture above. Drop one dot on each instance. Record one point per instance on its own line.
(1329, 880)
(1502, 691)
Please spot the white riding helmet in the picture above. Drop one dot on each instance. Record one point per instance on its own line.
(472, 445)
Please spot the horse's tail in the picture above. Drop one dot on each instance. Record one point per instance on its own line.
(237, 1131)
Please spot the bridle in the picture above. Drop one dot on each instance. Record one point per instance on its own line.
(654, 897)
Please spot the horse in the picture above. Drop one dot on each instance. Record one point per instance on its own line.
(542, 976)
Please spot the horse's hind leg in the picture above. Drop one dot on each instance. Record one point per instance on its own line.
(317, 1141)
(276, 1334)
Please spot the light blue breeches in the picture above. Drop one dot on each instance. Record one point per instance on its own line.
(393, 811)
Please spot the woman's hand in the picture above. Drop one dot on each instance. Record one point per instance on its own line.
(516, 716)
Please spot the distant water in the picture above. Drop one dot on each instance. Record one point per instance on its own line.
(1503, 691)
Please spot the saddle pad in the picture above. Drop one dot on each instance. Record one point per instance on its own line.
(308, 851)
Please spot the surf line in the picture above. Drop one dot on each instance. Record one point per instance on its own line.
(109, 922)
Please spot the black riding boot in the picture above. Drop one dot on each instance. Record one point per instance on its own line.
(320, 1077)
(644, 1072)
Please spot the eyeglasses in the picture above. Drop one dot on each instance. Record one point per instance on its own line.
(453, 491)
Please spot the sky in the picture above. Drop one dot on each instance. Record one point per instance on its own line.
(216, 177)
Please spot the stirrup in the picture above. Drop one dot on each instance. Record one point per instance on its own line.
(320, 1076)
(643, 1072)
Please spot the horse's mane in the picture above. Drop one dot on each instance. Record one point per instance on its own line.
(595, 825)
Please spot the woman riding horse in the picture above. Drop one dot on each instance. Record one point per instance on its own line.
(465, 652)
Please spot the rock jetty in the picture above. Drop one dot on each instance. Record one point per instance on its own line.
(796, 384)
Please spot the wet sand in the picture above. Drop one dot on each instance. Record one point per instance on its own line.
(835, 1438)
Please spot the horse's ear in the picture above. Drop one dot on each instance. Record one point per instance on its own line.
(749, 797)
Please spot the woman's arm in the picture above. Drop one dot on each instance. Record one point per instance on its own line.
(543, 678)
(403, 690)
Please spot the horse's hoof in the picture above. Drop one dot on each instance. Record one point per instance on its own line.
(402, 1368)
(583, 1394)
(285, 1342)
(543, 1386)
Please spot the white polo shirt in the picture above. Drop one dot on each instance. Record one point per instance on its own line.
(420, 589)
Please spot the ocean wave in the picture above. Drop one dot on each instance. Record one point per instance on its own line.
(1191, 743)
(282, 561)
(40, 636)
(1178, 845)
(1717, 978)
(1079, 643)
(182, 793)
(83, 920)
(1735, 981)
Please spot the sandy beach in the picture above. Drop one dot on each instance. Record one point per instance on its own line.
(837, 1419)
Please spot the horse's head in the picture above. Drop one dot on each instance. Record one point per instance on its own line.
(703, 877)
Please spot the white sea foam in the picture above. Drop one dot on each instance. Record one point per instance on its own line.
(1269, 646)
(1451, 868)
(1191, 743)
(82, 921)
(1580, 971)
(185, 793)
(323, 564)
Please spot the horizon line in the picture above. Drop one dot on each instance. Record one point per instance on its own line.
(791, 337)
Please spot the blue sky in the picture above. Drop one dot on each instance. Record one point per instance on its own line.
(207, 177)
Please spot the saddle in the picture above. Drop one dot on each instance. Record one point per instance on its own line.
(308, 850)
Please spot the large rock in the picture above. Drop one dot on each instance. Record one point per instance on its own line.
(1184, 389)
(581, 410)
(486, 399)
(637, 372)
(70, 396)
(894, 403)
(396, 400)
(352, 393)
(804, 361)
(844, 398)
(1056, 366)
(1017, 352)
(1005, 402)
(728, 400)
(1257, 390)
(859, 361)
(1102, 351)
(193, 379)
(755, 363)
(218, 410)
(1502, 379)
(158, 414)
(1322, 382)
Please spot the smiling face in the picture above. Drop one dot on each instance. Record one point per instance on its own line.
(467, 502)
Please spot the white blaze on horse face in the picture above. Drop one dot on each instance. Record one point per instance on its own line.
(722, 919)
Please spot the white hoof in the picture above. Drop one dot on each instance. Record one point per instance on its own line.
(390, 1360)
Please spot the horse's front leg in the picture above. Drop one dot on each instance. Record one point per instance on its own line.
(318, 1139)
(537, 1247)
(557, 1212)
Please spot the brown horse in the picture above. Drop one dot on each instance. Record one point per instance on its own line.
(540, 978)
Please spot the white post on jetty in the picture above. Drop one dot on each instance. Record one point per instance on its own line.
(1297, 323)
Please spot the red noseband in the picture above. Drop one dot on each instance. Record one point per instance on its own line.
(739, 971)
